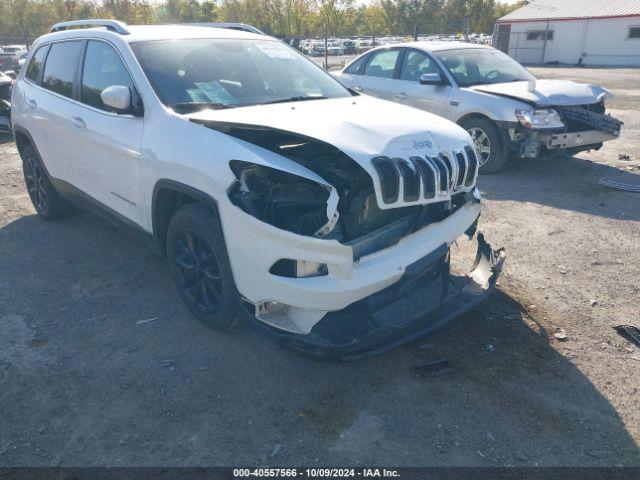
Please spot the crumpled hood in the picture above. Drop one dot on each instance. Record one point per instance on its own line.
(362, 127)
(547, 92)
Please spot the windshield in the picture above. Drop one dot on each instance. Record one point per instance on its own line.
(481, 66)
(224, 73)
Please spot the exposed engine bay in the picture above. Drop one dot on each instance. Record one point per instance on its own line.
(299, 205)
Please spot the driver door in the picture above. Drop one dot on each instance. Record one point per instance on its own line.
(106, 149)
(432, 98)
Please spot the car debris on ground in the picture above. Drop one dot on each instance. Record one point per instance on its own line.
(148, 320)
(629, 332)
(561, 334)
(622, 181)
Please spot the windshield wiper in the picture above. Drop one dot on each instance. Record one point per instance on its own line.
(294, 99)
(187, 107)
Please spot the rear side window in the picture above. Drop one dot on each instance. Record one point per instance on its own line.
(382, 64)
(356, 67)
(37, 62)
(103, 68)
(60, 69)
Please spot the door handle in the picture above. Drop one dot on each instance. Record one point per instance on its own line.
(400, 96)
(31, 103)
(78, 122)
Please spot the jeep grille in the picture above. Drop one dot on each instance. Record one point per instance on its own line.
(420, 180)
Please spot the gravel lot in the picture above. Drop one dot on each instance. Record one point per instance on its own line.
(83, 384)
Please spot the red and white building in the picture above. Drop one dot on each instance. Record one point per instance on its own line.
(571, 32)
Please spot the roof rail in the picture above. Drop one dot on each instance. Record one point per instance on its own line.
(113, 25)
(243, 27)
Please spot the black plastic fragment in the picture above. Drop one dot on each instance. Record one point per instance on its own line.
(629, 332)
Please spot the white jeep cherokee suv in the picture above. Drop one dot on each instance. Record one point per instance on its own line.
(277, 195)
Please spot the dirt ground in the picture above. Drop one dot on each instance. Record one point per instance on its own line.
(83, 384)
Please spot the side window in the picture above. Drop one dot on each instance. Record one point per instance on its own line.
(540, 35)
(455, 63)
(356, 67)
(60, 69)
(102, 68)
(415, 64)
(382, 64)
(37, 62)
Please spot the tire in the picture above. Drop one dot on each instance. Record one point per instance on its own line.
(485, 134)
(200, 267)
(44, 197)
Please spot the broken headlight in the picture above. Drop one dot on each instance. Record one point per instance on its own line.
(284, 200)
(539, 119)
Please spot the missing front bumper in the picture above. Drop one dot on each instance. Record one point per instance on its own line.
(427, 297)
(556, 141)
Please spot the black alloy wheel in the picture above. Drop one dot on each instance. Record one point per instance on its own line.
(35, 180)
(46, 200)
(200, 266)
(198, 273)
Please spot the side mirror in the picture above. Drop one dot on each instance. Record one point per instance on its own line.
(117, 97)
(432, 79)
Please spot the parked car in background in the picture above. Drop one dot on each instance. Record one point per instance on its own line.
(505, 109)
(6, 82)
(364, 45)
(350, 47)
(334, 47)
(277, 195)
(317, 49)
(9, 61)
(15, 49)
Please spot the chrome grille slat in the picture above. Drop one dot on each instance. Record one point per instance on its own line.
(389, 178)
(450, 172)
(462, 168)
(410, 180)
(429, 175)
(473, 166)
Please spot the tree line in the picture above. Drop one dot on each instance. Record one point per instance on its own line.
(27, 19)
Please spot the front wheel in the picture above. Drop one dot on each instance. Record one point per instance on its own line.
(489, 144)
(201, 268)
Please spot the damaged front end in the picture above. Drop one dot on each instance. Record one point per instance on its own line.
(562, 129)
(358, 261)
(427, 296)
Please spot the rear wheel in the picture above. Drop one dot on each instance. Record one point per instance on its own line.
(200, 267)
(492, 152)
(46, 200)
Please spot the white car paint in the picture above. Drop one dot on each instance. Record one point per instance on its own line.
(118, 159)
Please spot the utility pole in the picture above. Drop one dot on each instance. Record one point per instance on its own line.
(326, 47)
(415, 20)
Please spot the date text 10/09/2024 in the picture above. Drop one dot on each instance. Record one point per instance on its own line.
(315, 473)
